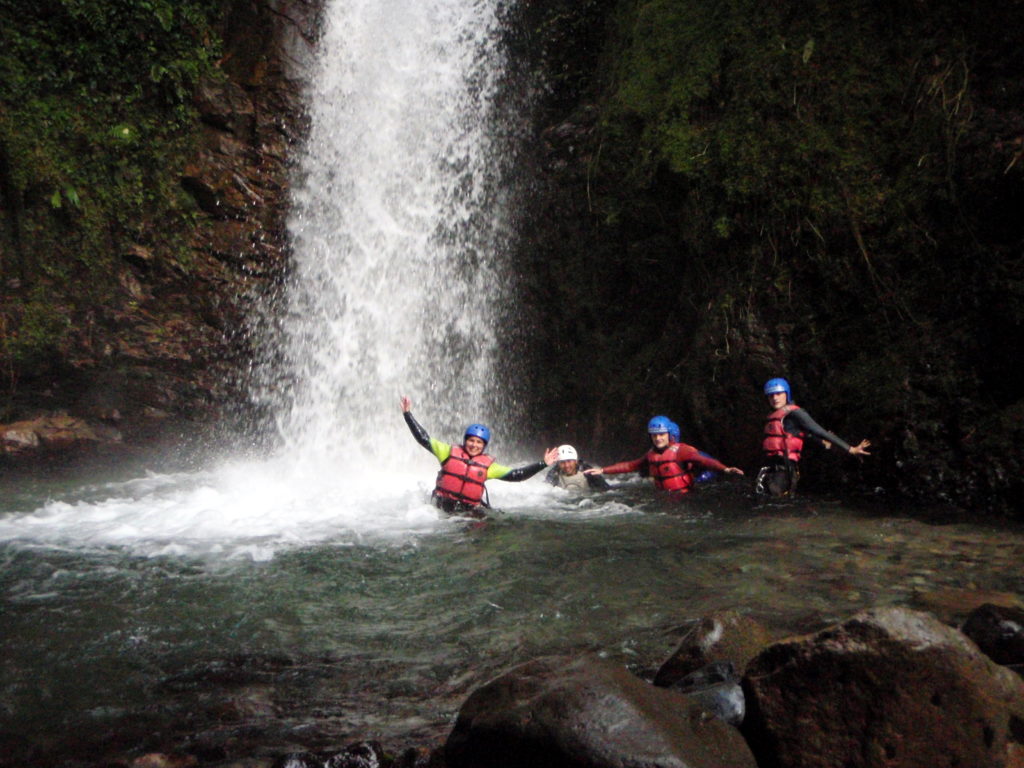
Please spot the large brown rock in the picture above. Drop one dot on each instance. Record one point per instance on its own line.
(53, 433)
(583, 712)
(890, 687)
(720, 636)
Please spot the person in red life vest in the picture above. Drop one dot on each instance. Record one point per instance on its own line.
(785, 431)
(705, 475)
(667, 462)
(465, 468)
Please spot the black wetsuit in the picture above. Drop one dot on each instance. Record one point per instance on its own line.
(779, 475)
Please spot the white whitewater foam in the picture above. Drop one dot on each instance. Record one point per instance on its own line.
(243, 509)
(254, 510)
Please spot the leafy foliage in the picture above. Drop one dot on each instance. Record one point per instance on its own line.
(95, 115)
(814, 189)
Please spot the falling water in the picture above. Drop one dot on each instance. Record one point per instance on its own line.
(397, 229)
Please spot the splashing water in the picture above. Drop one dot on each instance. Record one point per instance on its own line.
(398, 227)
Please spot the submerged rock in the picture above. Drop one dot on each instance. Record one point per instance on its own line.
(587, 713)
(889, 687)
(716, 688)
(954, 605)
(998, 632)
(721, 636)
(160, 760)
(360, 754)
(420, 757)
(298, 760)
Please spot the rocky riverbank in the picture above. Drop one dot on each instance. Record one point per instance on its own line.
(887, 687)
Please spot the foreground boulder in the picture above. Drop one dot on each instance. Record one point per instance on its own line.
(583, 712)
(889, 687)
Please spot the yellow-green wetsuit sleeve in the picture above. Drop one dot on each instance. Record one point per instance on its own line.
(497, 471)
(440, 450)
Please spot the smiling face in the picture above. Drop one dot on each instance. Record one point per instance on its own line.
(777, 399)
(568, 467)
(474, 446)
(660, 440)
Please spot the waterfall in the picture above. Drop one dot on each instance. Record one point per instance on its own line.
(398, 229)
(398, 226)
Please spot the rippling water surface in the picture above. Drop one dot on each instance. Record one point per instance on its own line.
(319, 612)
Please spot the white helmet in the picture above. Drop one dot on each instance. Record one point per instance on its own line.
(567, 453)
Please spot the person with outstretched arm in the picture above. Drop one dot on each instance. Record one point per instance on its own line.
(785, 431)
(705, 475)
(568, 473)
(465, 468)
(667, 462)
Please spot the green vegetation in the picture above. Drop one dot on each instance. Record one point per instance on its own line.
(829, 191)
(96, 119)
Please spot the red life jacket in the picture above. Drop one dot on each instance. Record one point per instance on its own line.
(462, 477)
(668, 473)
(777, 441)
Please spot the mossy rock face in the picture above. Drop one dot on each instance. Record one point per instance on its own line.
(115, 119)
(744, 190)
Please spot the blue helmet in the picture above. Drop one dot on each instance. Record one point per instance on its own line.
(478, 430)
(777, 385)
(674, 432)
(659, 424)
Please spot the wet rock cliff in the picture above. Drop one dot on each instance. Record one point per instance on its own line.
(144, 171)
(724, 193)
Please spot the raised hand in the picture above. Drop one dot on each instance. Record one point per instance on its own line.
(859, 449)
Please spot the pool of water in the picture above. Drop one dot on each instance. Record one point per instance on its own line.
(207, 609)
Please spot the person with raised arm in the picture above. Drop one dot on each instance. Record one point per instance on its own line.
(569, 473)
(465, 468)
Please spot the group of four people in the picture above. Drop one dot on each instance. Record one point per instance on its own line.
(673, 465)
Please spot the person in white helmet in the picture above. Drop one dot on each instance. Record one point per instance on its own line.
(568, 473)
